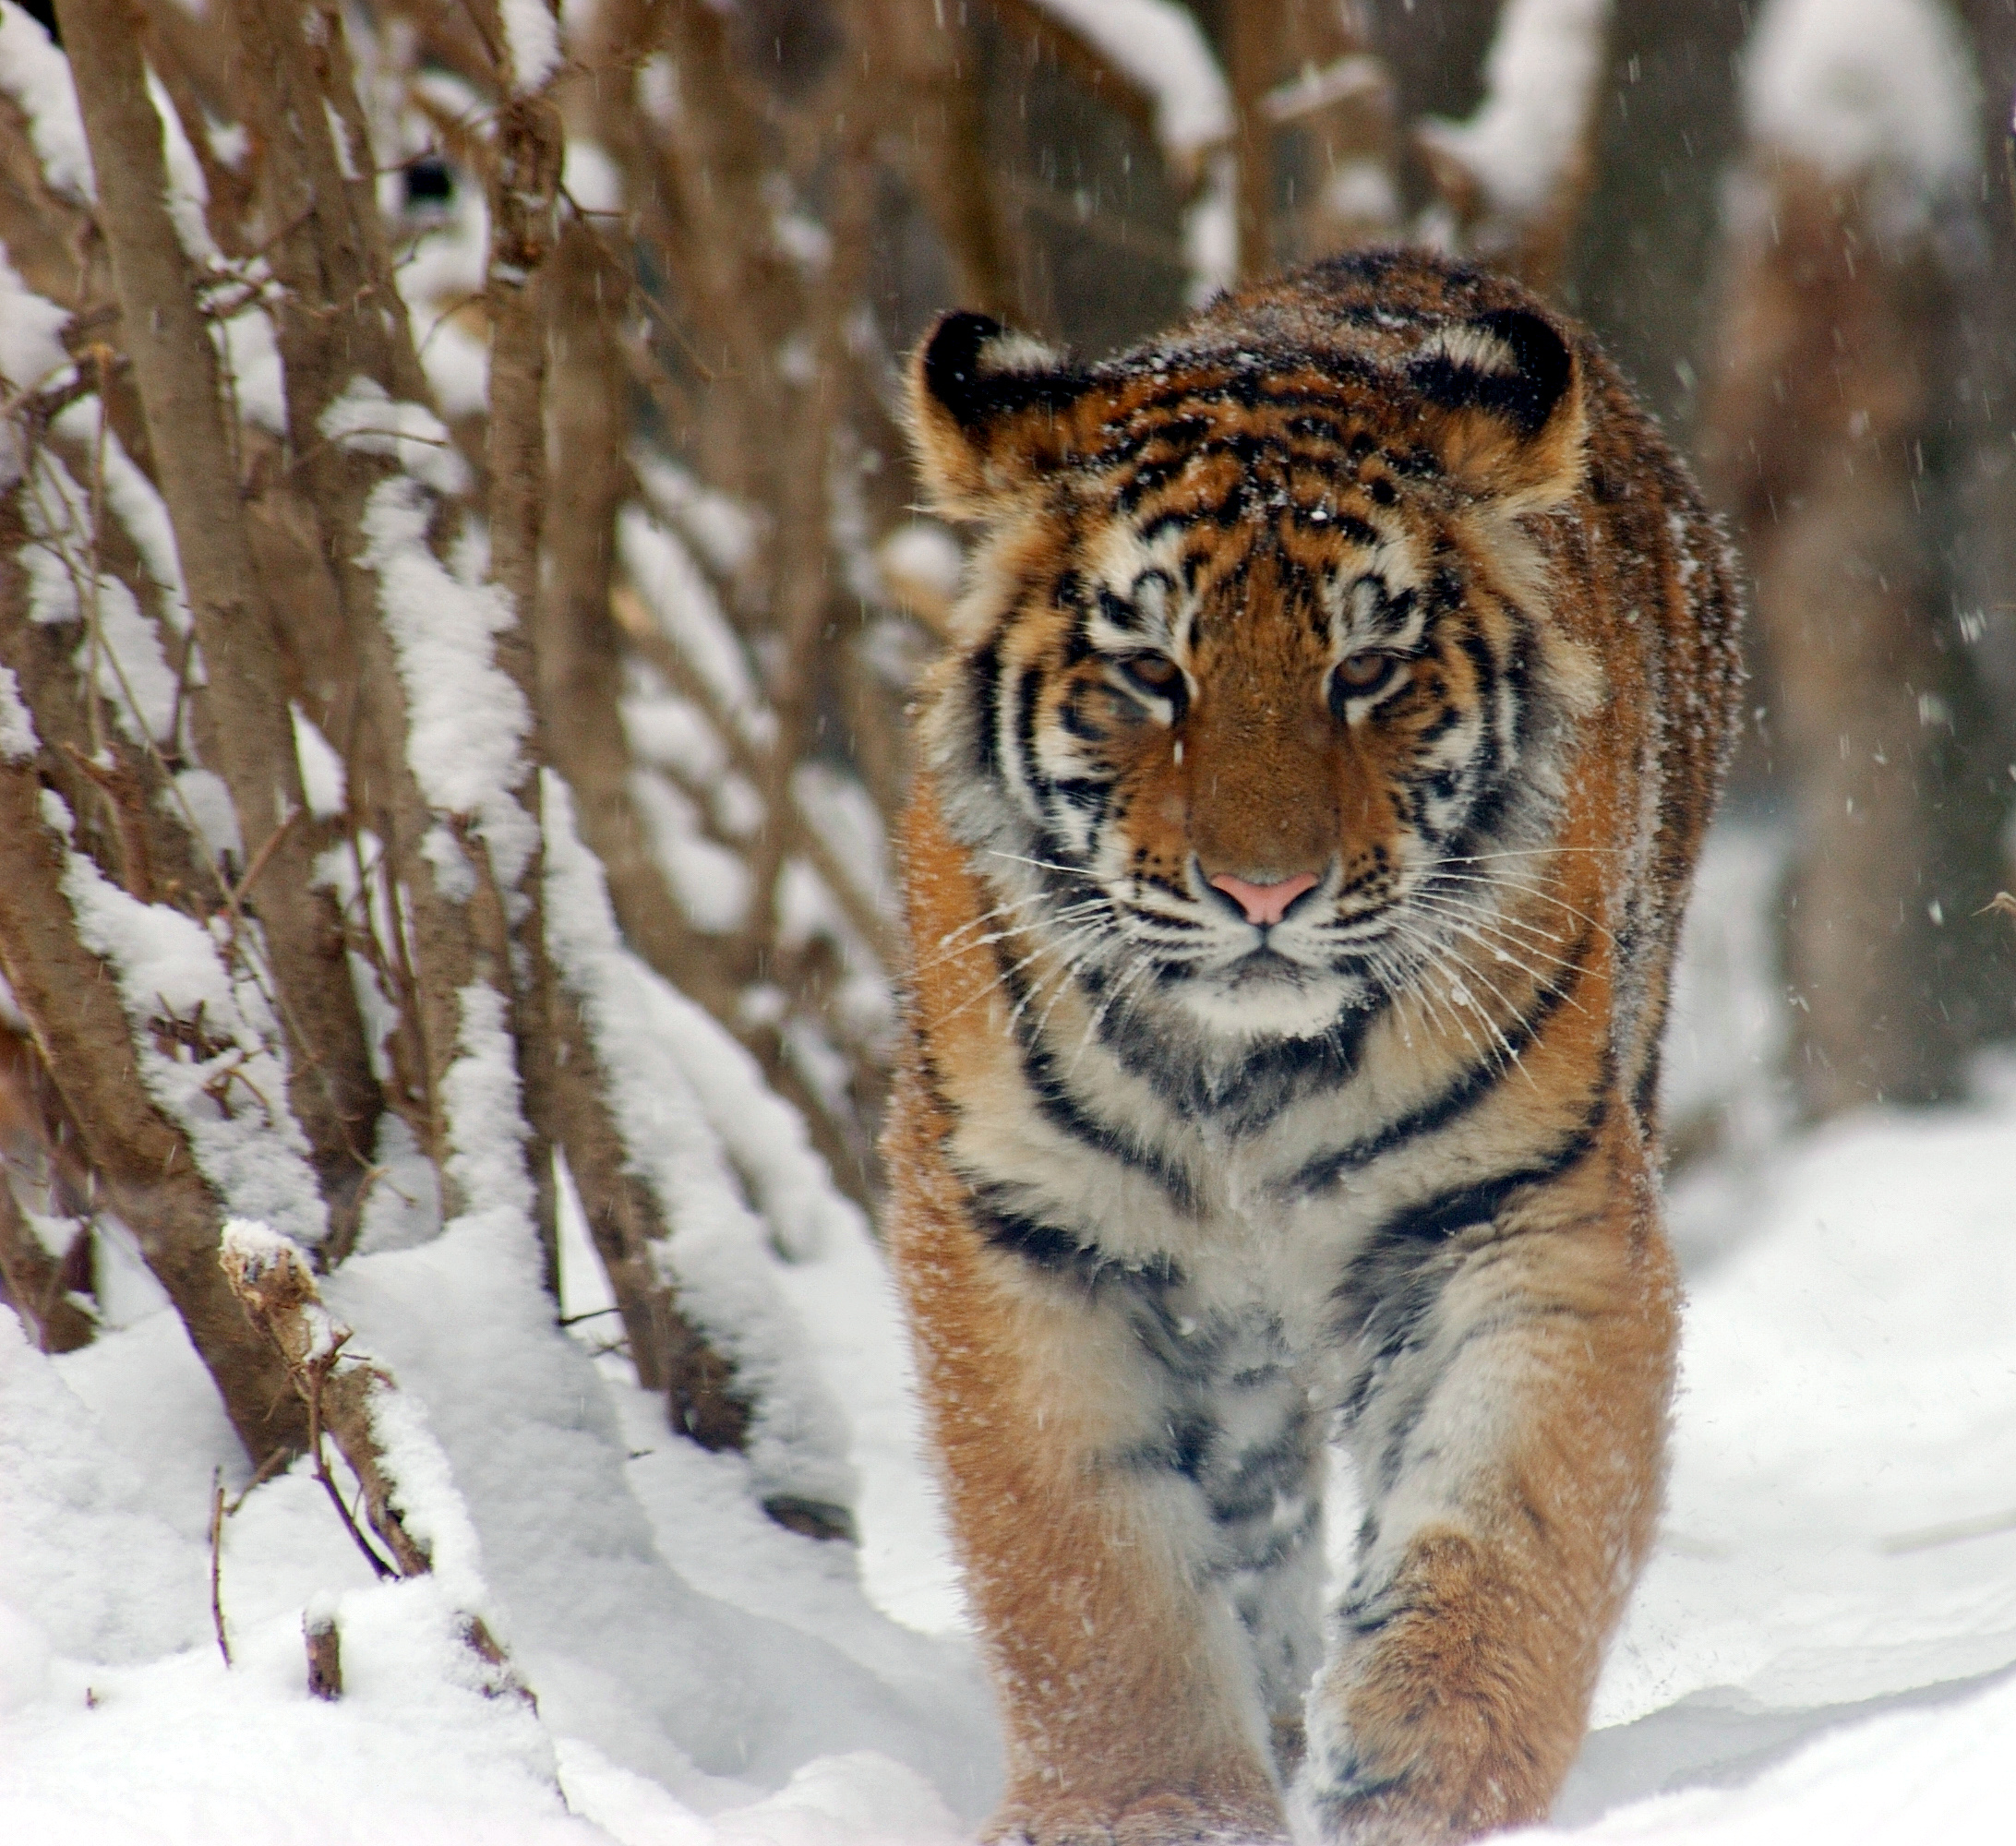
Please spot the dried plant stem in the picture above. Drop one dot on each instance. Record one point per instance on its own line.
(524, 196)
(278, 1290)
(325, 1650)
(146, 1171)
(176, 368)
(217, 1563)
(317, 1374)
(40, 1285)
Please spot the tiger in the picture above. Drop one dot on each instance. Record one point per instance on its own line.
(1304, 815)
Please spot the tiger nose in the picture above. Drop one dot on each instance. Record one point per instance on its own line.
(1264, 903)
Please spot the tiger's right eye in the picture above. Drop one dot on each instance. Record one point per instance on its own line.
(1155, 676)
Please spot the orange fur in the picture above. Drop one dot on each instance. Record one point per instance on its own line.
(1375, 578)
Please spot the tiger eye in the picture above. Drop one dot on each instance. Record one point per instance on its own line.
(1362, 672)
(1154, 674)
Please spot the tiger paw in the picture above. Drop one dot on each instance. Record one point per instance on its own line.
(1154, 1820)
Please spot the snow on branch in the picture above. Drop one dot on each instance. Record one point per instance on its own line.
(1161, 49)
(1515, 172)
(36, 76)
(675, 1080)
(407, 1488)
(18, 738)
(1158, 51)
(468, 721)
(208, 1046)
(1857, 87)
(532, 37)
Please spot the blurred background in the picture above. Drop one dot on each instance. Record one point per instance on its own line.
(655, 265)
(1789, 222)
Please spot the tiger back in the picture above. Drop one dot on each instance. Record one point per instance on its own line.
(1301, 834)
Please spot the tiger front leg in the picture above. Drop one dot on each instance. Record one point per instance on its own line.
(1124, 1678)
(1511, 1450)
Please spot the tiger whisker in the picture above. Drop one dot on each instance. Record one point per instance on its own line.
(1460, 976)
(1474, 930)
(1559, 903)
(1088, 907)
(1139, 965)
(1043, 865)
(1060, 945)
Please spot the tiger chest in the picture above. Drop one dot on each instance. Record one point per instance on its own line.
(1202, 1242)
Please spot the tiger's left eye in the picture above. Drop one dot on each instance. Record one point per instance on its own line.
(1365, 672)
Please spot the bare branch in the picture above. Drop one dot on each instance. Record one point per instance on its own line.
(146, 1170)
(176, 368)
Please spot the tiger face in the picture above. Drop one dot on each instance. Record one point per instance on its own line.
(1258, 704)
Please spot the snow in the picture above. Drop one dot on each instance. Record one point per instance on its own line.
(36, 76)
(1211, 234)
(458, 366)
(32, 349)
(201, 800)
(712, 882)
(719, 1255)
(921, 563)
(1854, 85)
(533, 35)
(1820, 1647)
(125, 663)
(137, 502)
(444, 268)
(189, 192)
(1539, 76)
(365, 418)
(1161, 48)
(18, 738)
(322, 775)
(467, 719)
(845, 816)
(725, 531)
(677, 594)
(119, 647)
(258, 378)
(593, 180)
(209, 1047)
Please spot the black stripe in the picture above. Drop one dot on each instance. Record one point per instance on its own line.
(1121, 613)
(1436, 1217)
(985, 671)
(1464, 1093)
(1028, 691)
(1248, 388)
(1071, 718)
(1058, 1252)
(1085, 792)
(1058, 1107)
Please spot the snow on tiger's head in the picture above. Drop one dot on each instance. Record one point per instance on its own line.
(1257, 643)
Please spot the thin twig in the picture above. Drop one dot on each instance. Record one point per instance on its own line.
(318, 1370)
(217, 1563)
(266, 1471)
(259, 858)
(1985, 1525)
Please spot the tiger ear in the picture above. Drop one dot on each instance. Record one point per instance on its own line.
(985, 408)
(1505, 410)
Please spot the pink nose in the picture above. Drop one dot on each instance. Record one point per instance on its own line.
(1264, 903)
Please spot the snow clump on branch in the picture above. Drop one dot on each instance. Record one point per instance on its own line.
(1863, 87)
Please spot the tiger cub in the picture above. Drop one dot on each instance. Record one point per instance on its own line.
(1305, 814)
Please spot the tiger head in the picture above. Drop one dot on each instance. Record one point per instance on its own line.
(1256, 685)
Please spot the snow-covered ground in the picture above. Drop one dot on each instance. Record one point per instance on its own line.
(1822, 1649)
